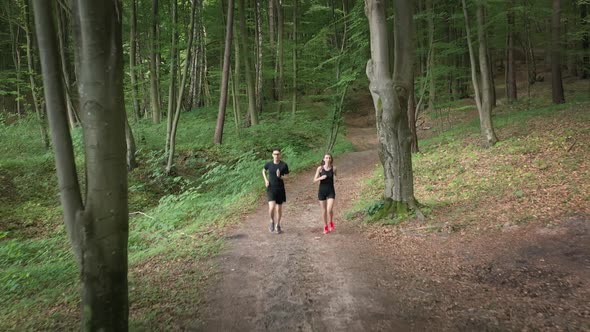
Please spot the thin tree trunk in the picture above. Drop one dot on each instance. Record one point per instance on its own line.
(15, 38)
(204, 81)
(585, 72)
(99, 230)
(294, 103)
(487, 86)
(154, 84)
(218, 137)
(483, 102)
(258, 18)
(236, 80)
(173, 71)
(73, 117)
(432, 86)
(279, 62)
(132, 60)
(171, 150)
(390, 98)
(511, 93)
(36, 102)
(272, 47)
(131, 147)
(247, 65)
(412, 117)
(556, 81)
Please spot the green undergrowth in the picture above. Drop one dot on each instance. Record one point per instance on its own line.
(171, 217)
(536, 172)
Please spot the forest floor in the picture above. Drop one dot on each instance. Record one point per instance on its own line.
(530, 276)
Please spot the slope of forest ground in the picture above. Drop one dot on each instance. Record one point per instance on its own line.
(505, 244)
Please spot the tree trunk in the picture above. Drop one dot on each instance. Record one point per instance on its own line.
(279, 62)
(271, 40)
(483, 104)
(16, 58)
(511, 94)
(258, 18)
(294, 87)
(236, 80)
(247, 65)
(36, 102)
(154, 84)
(131, 147)
(218, 138)
(585, 72)
(412, 117)
(390, 97)
(132, 60)
(99, 230)
(73, 116)
(173, 71)
(171, 149)
(487, 101)
(432, 86)
(556, 82)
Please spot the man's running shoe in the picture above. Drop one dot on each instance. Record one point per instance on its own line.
(326, 231)
(271, 228)
(279, 230)
(332, 226)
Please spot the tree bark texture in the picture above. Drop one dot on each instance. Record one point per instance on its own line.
(154, 83)
(173, 71)
(99, 230)
(511, 93)
(294, 85)
(247, 65)
(132, 60)
(390, 98)
(556, 81)
(185, 71)
(30, 62)
(218, 138)
(487, 100)
(259, 53)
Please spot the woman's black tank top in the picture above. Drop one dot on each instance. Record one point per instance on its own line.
(329, 180)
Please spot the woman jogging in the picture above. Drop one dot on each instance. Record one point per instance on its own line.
(326, 174)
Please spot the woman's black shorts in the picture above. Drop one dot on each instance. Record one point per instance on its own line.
(326, 192)
(276, 194)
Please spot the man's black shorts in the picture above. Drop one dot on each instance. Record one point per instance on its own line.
(276, 194)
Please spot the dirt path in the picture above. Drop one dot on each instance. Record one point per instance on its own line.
(383, 279)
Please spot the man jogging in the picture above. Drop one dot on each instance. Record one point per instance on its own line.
(275, 188)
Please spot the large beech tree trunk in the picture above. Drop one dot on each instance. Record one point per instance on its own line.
(390, 97)
(556, 81)
(98, 231)
(217, 139)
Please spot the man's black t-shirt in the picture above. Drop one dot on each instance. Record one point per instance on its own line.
(271, 167)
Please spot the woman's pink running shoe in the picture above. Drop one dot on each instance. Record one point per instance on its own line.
(326, 231)
(332, 226)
